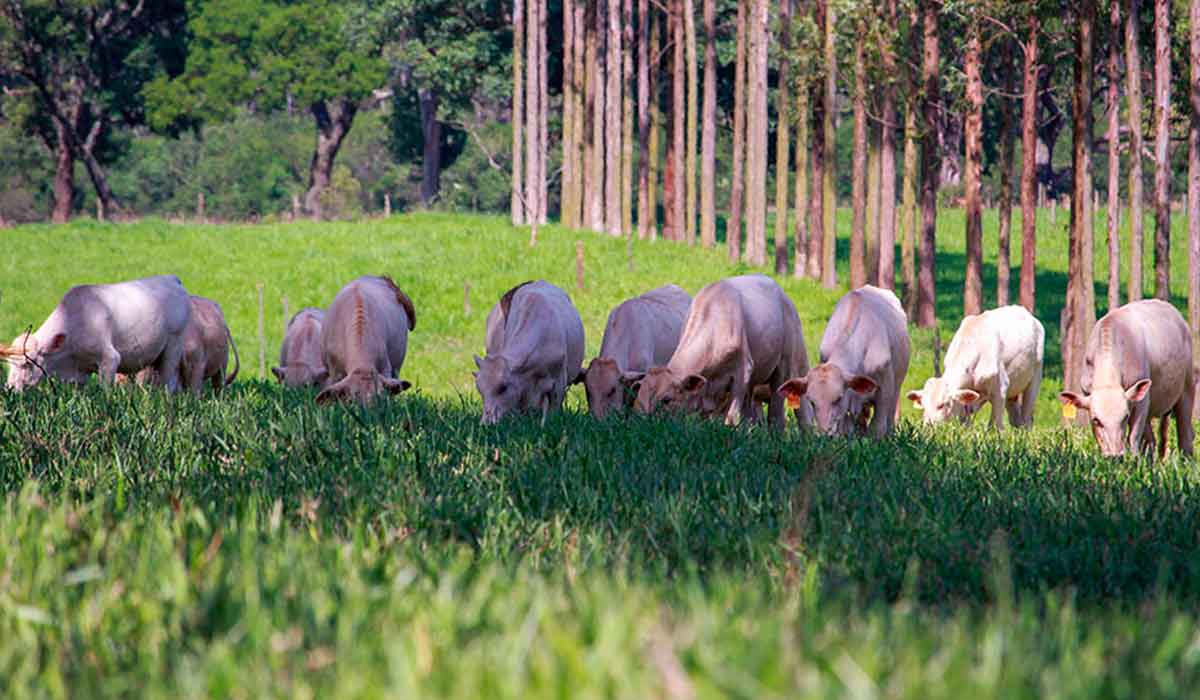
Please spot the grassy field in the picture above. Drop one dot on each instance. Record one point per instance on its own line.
(254, 546)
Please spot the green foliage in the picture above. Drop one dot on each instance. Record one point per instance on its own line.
(265, 53)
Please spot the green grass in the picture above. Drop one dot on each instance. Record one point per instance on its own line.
(255, 546)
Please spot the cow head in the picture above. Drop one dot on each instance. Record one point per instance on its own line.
(664, 389)
(30, 360)
(506, 389)
(361, 385)
(1111, 408)
(297, 375)
(839, 402)
(939, 402)
(608, 388)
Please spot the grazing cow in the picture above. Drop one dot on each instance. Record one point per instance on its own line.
(641, 333)
(106, 329)
(364, 340)
(994, 357)
(301, 362)
(1138, 367)
(534, 351)
(741, 332)
(864, 358)
(206, 345)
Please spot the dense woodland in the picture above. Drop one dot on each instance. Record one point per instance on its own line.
(744, 124)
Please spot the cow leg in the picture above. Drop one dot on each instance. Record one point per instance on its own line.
(1012, 407)
(998, 399)
(1029, 398)
(778, 412)
(168, 364)
(108, 366)
(883, 414)
(1184, 430)
(1164, 425)
(1141, 436)
(193, 375)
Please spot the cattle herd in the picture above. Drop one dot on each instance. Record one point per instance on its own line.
(734, 347)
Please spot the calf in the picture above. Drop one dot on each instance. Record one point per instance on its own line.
(105, 329)
(864, 358)
(534, 351)
(641, 333)
(364, 340)
(741, 332)
(300, 357)
(206, 345)
(1138, 367)
(994, 357)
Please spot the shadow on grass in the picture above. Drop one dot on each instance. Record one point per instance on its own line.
(921, 513)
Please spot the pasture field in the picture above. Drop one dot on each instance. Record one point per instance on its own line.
(255, 546)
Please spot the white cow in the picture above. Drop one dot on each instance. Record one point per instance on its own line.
(301, 361)
(534, 351)
(741, 332)
(364, 340)
(864, 359)
(641, 333)
(106, 329)
(1138, 367)
(994, 357)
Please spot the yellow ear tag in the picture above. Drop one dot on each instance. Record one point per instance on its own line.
(793, 401)
(1069, 411)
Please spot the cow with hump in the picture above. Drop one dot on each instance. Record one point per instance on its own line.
(106, 329)
(301, 360)
(742, 332)
(534, 352)
(364, 340)
(1138, 367)
(994, 357)
(641, 333)
(855, 390)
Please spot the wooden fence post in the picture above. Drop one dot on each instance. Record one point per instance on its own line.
(200, 206)
(262, 336)
(579, 265)
(387, 204)
(466, 298)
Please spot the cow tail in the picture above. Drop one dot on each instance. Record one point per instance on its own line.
(237, 361)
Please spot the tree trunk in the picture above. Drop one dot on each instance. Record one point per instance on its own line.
(887, 156)
(973, 171)
(1162, 155)
(431, 152)
(708, 131)
(596, 84)
(783, 118)
(1004, 252)
(579, 131)
(816, 208)
(733, 230)
(567, 213)
(655, 124)
(1194, 186)
(756, 136)
(643, 110)
(334, 120)
(627, 125)
(858, 200)
(517, 206)
(1133, 77)
(1029, 112)
(693, 99)
(533, 125)
(802, 150)
(1114, 156)
(829, 205)
(613, 124)
(1079, 313)
(676, 159)
(908, 208)
(872, 204)
(64, 175)
(543, 181)
(930, 168)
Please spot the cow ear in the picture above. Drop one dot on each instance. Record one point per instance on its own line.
(578, 379)
(321, 377)
(278, 372)
(56, 343)
(915, 397)
(478, 362)
(397, 387)
(1070, 398)
(631, 379)
(327, 396)
(1138, 391)
(967, 396)
(693, 383)
(793, 388)
(862, 385)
